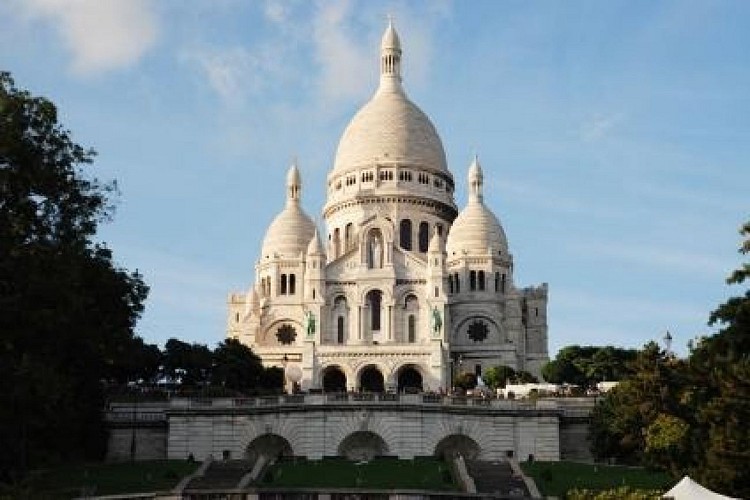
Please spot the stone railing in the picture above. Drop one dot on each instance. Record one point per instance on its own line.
(122, 416)
(364, 398)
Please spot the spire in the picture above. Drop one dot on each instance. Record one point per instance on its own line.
(315, 247)
(293, 184)
(390, 58)
(435, 242)
(476, 180)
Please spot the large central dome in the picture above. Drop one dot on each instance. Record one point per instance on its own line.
(390, 128)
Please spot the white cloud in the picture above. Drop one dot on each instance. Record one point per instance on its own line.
(599, 126)
(101, 35)
(343, 59)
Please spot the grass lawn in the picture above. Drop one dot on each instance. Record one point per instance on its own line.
(556, 478)
(383, 473)
(108, 478)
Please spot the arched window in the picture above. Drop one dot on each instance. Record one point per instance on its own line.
(336, 243)
(457, 283)
(292, 284)
(424, 236)
(340, 330)
(348, 243)
(472, 280)
(480, 277)
(405, 234)
(374, 299)
(439, 228)
(497, 282)
(283, 285)
(502, 283)
(450, 283)
(412, 329)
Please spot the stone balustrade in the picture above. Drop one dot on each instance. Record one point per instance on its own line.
(365, 398)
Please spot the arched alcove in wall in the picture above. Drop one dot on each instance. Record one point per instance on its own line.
(457, 444)
(272, 446)
(362, 445)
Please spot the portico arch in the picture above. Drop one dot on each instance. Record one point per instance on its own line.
(272, 446)
(457, 444)
(362, 445)
(371, 379)
(409, 379)
(333, 379)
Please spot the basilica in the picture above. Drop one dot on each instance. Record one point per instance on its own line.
(401, 291)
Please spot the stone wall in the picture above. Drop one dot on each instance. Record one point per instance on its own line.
(316, 426)
(408, 428)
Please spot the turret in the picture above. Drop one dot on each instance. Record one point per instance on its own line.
(390, 58)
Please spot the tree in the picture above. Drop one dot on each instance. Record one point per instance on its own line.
(191, 364)
(722, 365)
(498, 376)
(587, 365)
(65, 308)
(236, 367)
(688, 416)
(642, 405)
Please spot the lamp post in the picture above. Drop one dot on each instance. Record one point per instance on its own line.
(668, 343)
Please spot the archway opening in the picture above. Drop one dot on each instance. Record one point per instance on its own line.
(371, 380)
(272, 446)
(334, 379)
(374, 299)
(362, 445)
(457, 444)
(409, 380)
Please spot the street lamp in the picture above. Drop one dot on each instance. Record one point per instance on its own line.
(668, 343)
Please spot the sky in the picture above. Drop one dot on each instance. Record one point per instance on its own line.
(614, 138)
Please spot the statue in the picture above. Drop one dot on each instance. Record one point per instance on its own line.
(437, 321)
(310, 323)
(376, 253)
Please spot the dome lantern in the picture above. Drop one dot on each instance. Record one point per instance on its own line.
(390, 57)
(476, 181)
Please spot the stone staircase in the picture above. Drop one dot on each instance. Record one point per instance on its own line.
(221, 475)
(497, 479)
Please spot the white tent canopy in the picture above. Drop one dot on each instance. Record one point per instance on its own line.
(687, 489)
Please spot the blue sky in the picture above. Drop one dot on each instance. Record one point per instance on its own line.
(615, 137)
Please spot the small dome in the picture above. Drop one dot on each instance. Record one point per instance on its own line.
(290, 232)
(476, 230)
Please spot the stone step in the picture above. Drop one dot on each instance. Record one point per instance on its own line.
(221, 475)
(497, 478)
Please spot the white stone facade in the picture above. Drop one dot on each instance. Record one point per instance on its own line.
(403, 291)
(405, 428)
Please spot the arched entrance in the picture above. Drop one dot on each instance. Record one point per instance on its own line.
(409, 380)
(272, 446)
(371, 380)
(457, 444)
(362, 445)
(334, 379)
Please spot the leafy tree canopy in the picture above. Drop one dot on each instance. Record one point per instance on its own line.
(688, 416)
(586, 365)
(67, 312)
